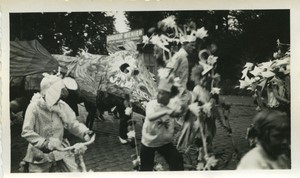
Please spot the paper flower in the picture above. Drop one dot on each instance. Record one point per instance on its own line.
(200, 166)
(136, 162)
(175, 104)
(206, 67)
(158, 167)
(281, 62)
(211, 60)
(211, 161)
(131, 134)
(170, 21)
(267, 74)
(159, 42)
(206, 108)
(128, 111)
(256, 71)
(278, 42)
(215, 91)
(201, 33)
(246, 82)
(248, 65)
(265, 65)
(275, 55)
(244, 72)
(146, 39)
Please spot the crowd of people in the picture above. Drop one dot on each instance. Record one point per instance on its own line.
(193, 113)
(190, 114)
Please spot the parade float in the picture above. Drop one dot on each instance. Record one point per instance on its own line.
(117, 74)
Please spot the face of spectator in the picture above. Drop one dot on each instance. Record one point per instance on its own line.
(277, 141)
(157, 52)
(163, 97)
(190, 47)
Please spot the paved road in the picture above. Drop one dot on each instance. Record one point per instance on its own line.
(107, 154)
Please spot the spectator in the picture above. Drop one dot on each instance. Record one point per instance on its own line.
(272, 132)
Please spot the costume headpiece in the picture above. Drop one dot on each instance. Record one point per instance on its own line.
(165, 84)
(51, 86)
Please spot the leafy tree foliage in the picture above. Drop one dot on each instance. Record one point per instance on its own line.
(64, 31)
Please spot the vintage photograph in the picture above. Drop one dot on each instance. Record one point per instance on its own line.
(134, 91)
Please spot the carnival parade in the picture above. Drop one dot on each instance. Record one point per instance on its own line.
(167, 96)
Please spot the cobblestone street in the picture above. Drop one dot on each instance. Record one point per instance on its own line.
(107, 154)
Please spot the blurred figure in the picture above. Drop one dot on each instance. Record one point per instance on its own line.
(125, 112)
(179, 63)
(271, 130)
(158, 131)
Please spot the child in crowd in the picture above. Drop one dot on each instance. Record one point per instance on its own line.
(271, 129)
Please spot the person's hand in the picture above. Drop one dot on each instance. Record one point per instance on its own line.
(87, 135)
(44, 147)
(128, 111)
(169, 111)
(53, 144)
(194, 108)
(79, 148)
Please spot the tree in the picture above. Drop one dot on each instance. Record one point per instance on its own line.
(56, 31)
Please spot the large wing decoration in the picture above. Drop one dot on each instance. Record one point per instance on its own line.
(30, 57)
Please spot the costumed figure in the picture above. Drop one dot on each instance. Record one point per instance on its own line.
(158, 130)
(200, 124)
(175, 67)
(46, 118)
(125, 115)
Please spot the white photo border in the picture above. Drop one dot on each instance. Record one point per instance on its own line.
(8, 6)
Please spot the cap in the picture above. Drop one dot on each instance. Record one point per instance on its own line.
(165, 85)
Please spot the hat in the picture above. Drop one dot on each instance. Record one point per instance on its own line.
(165, 85)
(206, 67)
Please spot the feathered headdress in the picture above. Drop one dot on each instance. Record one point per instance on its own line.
(168, 32)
